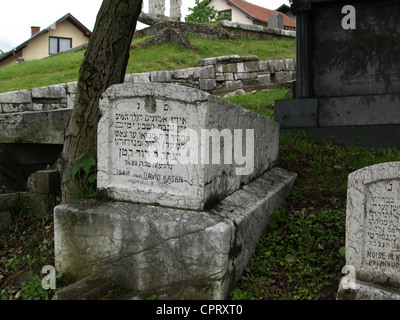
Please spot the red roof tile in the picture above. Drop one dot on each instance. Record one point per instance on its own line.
(260, 13)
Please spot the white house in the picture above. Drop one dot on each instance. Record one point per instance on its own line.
(246, 12)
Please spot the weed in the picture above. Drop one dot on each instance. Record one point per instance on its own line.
(84, 171)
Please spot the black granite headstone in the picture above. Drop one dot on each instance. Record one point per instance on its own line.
(348, 64)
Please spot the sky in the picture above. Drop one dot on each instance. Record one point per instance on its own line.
(17, 17)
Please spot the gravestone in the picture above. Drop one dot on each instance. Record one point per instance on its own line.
(347, 77)
(373, 234)
(157, 7)
(276, 21)
(167, 140)
(174, 221)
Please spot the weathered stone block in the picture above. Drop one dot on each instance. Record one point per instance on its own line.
(297, 113)
(23, 96)
(207, 72)
(279, 65)
(34, 127)
(5, 220)
(263, 66)
(183, 73)
(264, 78)
(360, 110)
(284, 76)
(207, 84)
(221, 77)
(10, 108)
(56, 91)
(174, 253)
(143, 77)
(47, 181)
(71, 87)
(251, 66)
(246, 75)
(219, 68)
(234, 84)
(290, 65)
(160, 76)
(228, 77)
(208, 61)
(132, 165)
(230, 68)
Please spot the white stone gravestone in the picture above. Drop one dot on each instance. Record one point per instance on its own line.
(373, 233)
(177, 225)
(179, 147)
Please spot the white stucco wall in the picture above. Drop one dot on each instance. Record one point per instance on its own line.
(237, 15)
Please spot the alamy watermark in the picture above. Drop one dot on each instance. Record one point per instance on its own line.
(49, 280)
(349, 281)
(349, 21)
(189, 146)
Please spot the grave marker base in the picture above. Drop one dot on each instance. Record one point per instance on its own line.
(174, 253)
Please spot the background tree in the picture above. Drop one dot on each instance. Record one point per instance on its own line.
(104, 64)
(201, 13)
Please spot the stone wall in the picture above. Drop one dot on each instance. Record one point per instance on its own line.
(215, 75)
(222, 30)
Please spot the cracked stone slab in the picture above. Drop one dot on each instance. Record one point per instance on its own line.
(145, 128)
(373, 224)
(44, 127)
(174, 253)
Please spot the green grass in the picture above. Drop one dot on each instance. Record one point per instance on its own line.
(65, 67)
(302, 254)
(260, 102)
(271, 49)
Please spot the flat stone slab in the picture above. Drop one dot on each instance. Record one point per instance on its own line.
(176, 146)
(174, 253)
(42, 127)
(366, 291)
(365, 110)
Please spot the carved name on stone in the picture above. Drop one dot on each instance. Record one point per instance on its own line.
(373, 223)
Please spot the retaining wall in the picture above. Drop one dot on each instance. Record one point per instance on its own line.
(215, 75)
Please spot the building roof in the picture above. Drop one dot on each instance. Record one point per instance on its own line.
(259, 13)
(283, 8)
(69, 17)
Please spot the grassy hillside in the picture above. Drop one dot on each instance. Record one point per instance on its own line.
(65, 67)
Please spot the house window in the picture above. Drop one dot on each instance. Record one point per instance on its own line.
(57, 45)
(225, 15)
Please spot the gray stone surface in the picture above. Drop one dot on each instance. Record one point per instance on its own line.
(23, 96)
(366, 291)
(47, 181)
(5, 220)
(174, 253)
(125, 171)
(360, 110)
(301, 113)
(276, 21)
(362, 61)
(140, 77)
(45, 127)
(160, 76)
(157, 7)
(56, 91)
(373, 223)
(365, 136)
(207, 84)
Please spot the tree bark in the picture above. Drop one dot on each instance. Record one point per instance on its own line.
(104, 64)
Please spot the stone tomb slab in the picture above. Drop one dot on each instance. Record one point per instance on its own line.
(147, 130)
(373, 224)
(174, 253)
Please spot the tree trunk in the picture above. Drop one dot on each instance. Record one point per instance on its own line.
(104, 64)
